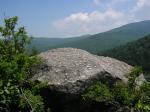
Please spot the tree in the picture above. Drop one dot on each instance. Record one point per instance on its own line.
(16, 89)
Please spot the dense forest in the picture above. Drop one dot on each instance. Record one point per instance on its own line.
(134, 53)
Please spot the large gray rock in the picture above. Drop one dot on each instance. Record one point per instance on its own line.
(71, 70)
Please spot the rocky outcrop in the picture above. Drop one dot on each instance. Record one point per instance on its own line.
(71, 70)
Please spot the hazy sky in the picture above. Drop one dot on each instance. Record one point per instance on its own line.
(65, 18)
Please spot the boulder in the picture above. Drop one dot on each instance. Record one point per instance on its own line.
(71, 70)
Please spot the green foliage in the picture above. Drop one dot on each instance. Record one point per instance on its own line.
(135, 72)
(15, 70)
(37, 87)
(126, 96)
(143, 103)
(30, 101)
(121, 94)
(8, 93)
(131, 96)
(34, 51)
(98, 92)
(143, 107)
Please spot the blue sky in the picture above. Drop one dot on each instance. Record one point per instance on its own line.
(67, 18)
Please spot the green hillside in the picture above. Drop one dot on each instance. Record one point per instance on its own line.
(113, 38)
(133, 53)
(43, 44)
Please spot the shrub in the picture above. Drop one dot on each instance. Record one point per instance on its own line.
(15, 70)
(126, 97)
(98, 92)
(121, 94)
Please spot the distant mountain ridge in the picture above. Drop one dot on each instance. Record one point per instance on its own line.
(98, 42)
(43, 44)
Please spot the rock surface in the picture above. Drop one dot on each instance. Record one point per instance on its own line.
(71, 70)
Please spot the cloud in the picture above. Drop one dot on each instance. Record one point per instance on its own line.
(94, 22)
(141, 4)
(96, 2)
(99, 21)
(141, 10)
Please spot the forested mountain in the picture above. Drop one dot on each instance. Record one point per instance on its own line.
(113, 38)
(133, 53)
(43, 44)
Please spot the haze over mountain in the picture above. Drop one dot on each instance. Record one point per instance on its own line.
(43, 44)
(99, 42)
